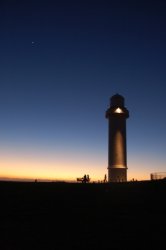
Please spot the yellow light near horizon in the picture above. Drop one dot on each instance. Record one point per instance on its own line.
(68, 166)
(118, 110)
(45, 169)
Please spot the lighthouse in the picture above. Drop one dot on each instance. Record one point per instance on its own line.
(117, 114)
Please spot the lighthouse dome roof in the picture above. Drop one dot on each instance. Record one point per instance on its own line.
(117, 100)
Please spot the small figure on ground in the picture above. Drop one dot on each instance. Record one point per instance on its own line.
(105, 178)
(84, 179)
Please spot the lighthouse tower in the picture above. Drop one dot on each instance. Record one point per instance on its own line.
(117, 153)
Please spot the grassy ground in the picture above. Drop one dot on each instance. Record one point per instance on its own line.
(82, 216)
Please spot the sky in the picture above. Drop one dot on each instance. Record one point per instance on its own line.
(60, 62)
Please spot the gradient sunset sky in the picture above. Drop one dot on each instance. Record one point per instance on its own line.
(61, 61)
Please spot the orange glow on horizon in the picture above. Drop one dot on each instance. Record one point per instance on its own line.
(57, 171)
(44, 169)
(68, 167)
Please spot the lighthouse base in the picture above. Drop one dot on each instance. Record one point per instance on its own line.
(117, 174)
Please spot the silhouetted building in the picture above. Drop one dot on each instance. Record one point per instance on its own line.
(117, 153)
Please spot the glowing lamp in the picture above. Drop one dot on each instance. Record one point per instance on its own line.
(118, 110)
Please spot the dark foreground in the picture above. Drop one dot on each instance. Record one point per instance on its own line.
(82, 216)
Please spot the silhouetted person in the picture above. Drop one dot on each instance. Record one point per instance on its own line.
(84, 179)
(105, 178)
(87, 178)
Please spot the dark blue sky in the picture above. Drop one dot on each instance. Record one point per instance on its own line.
(60, 63)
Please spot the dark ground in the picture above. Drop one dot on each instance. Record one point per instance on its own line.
(82, 216)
